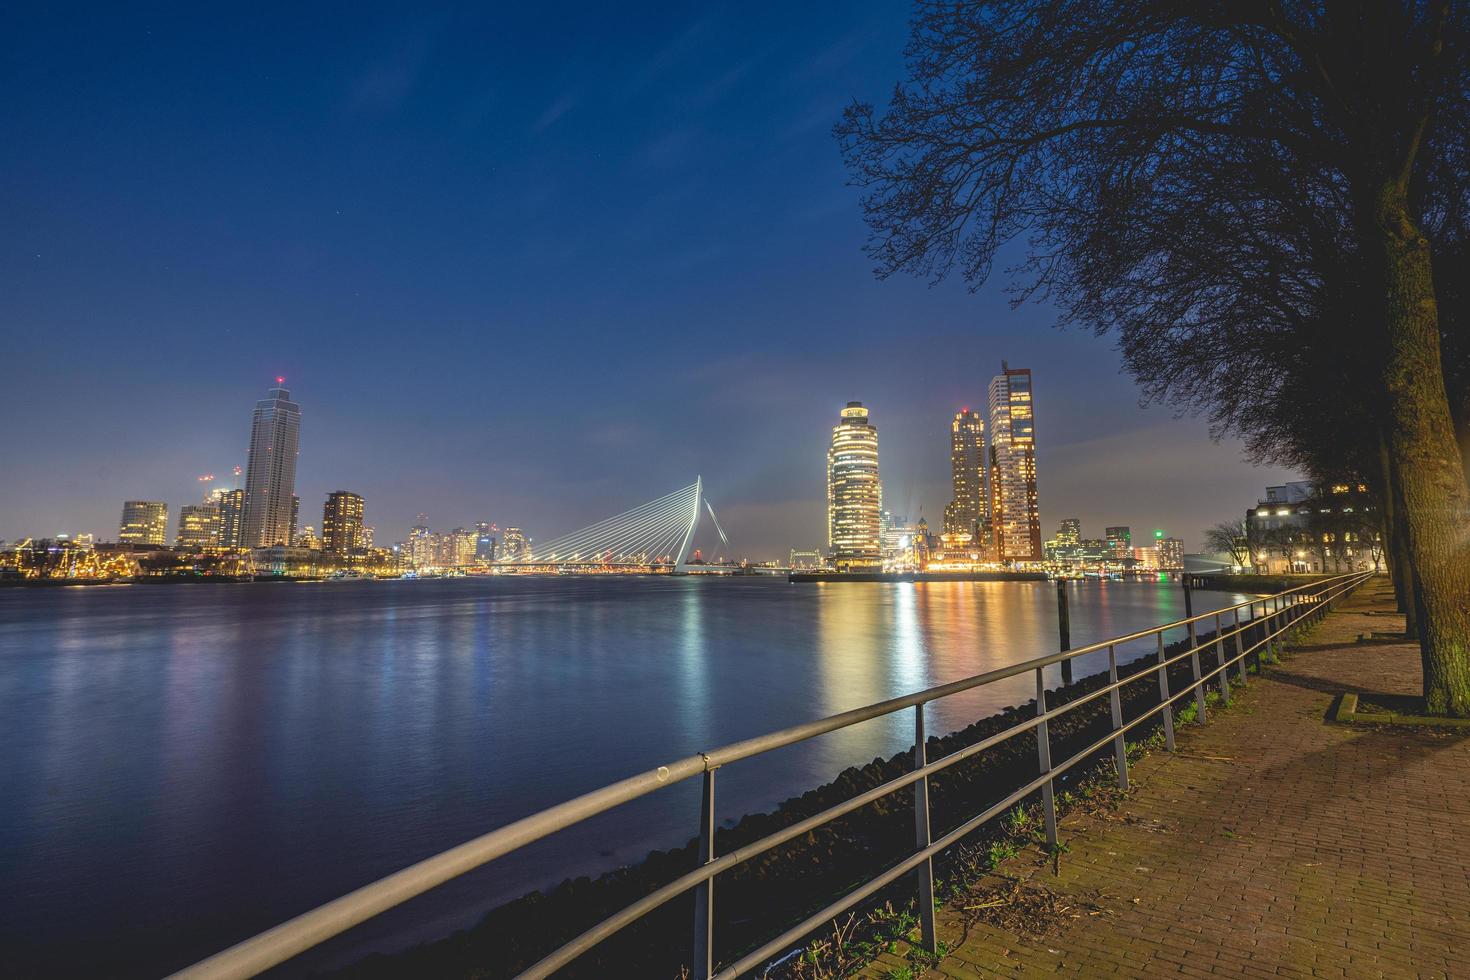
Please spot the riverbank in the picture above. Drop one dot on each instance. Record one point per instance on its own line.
(1274, 842)
(1253, 584)
(759, 898)
(957, 576)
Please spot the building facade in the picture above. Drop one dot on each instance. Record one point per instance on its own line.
(270, 471)
(1303, 527)
(1120, 541)
(854, 499)
(486, 536)
(143, 522)
(231, 508)
(342, 523)
(198, 527)
(968, 511)
(1014, 517)
(514, 544)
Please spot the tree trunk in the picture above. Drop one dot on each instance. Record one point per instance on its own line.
(1395, 542)
(1425, 455)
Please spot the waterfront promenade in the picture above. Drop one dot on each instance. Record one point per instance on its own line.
(1273, 843)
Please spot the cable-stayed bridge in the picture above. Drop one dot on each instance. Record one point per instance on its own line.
(656, 536)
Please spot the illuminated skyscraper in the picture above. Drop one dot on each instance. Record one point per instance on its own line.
(342, 522)
(1069, 533)
(1015, 521)
(421, 546)
(231, 504)
(198, 527)
(513, 544)
(270, 471)
(485, 540)
(967, 511)
(1120, 542)
(143, 522)
(854, 499)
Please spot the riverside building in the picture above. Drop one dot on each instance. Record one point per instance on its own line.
(854, 499)
(270, 471)
(1014, 518)
(198, 527)
(968, 511)
(231, 507)
(143, 522)
(342, 523)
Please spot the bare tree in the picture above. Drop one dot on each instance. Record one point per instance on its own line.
(1246, 180)
(1229, 538)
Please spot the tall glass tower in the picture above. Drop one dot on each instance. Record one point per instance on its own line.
(854, 497)
(967, 511)
(1013, 513)
(270, 472)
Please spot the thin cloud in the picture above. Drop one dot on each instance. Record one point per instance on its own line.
(554, 112)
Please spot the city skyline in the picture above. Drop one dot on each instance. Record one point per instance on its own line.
(277, 417)
(494, 205)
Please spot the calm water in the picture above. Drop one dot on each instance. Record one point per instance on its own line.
(184, 766)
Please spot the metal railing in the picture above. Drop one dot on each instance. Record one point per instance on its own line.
(1256, 632)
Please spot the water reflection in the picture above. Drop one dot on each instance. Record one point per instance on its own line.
(185, 766)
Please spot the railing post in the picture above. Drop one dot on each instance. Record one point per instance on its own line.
(704, 893)
(1237, 644)
(1120, 743)
(1064, 629)
(1221, 662)
(925, 871)
(1199, 687)
(1168, 711)
(1043, 754)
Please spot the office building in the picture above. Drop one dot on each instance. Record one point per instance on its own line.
(230, 505)
(1171, 554)
(421, 547)
(853, 494)
(1069, 533)
(460, 546)
(198, 527)
(270, 471)
(485, 540)
(1120, 541)
(1014, 517)
(342, 523)
(143, 522)
(967, 512)
(514, 544)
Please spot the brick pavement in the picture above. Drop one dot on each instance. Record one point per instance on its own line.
(1272, 844)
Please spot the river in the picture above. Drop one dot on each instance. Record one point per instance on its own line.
(186, 765)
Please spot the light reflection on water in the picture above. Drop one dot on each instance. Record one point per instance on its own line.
(187, 765)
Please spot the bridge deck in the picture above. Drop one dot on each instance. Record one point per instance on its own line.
(1272, 844)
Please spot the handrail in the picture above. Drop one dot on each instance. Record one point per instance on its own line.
(1280, 612)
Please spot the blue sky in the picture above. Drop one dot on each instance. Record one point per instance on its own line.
(515, 267)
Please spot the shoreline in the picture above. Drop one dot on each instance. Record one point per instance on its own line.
(958, 576)
(764, 895)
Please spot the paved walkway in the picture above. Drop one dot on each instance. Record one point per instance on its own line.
(1272, 844)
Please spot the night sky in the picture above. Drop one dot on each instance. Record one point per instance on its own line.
(534, 265)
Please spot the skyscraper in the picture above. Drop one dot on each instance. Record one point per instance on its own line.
(485, 541)
(514, 544)
(270, 471)
(231, 514)
(342, 522)
(853, 495)
(1120, 542)
(198, 527)
(1069, 532)
(1014, 517)
(143, 522)
(967, 511)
